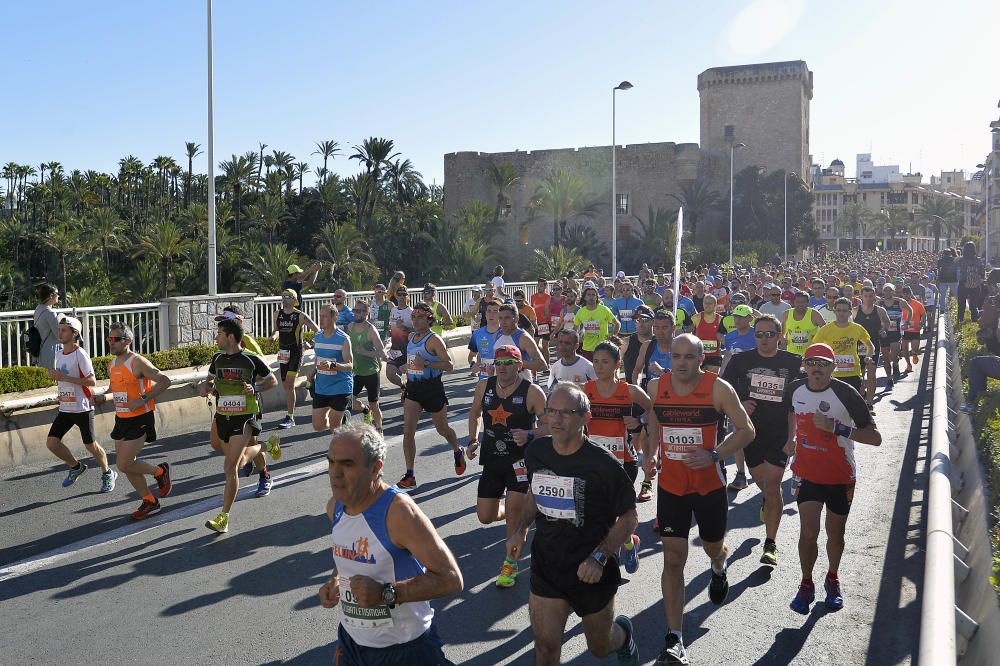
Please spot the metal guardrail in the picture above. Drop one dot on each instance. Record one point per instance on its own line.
(960, 616)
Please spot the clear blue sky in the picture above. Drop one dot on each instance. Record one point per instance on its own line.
(88, 83)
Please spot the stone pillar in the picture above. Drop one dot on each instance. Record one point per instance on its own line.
(191, 319)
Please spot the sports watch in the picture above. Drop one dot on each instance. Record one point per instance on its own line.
(600, 557)
(389, 595)
(715, 455)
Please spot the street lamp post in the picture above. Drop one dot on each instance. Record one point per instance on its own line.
(987, 171)
(212, 284)
(624, 85)
(732, 151)
(785, 200)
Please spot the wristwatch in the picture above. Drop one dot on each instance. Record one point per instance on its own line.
(389, 595)
(600, 557)
(142, 396)
(715, 455)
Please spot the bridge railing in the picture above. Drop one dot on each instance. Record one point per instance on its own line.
(960, 617)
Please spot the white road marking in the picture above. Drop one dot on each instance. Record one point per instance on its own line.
(31, 564)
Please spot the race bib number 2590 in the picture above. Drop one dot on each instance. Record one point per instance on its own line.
(554, 495)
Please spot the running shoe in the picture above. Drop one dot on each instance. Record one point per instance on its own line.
(274, 447)
(645, 492)
(770, 556)
(739, 482)
(264, 486)
(367, 415)
(628, 653)
(916, 360)
(163, 480)
(673, 652)
(805, 596)
(508, 574)
(74, 474)
(630, 556)
(834, 599)
(145, 510)
(460, 462)
(247, 469)
(108, 481)
(718, 589)
(220, 523)
(408, 481)
(286, 422)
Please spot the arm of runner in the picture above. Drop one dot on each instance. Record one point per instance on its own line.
(312, 275)
(818, 319)
(475, 412)
(262, 372)
(347, 365)
(145, 370)
(378, 346)
(726, 401)
(437, 347)
(651, 445)
(308, 323)
(536, 406)
(616, 325)
(789, 449)
(446, 320)
(410, 529)
(590, 570)
(528, 346)
(274, 333)
(515, 544)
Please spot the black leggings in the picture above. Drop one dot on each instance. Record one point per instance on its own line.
(974, 298)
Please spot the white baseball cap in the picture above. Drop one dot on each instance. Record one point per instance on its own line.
(73, 323)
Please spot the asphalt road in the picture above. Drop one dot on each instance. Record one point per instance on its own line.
(100, 589)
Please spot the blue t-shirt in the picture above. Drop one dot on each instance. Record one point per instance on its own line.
(816, 302)
(482, 342)
(737, 343)
(345, 317)
(623, 308)
(686, 304)
(331, 348)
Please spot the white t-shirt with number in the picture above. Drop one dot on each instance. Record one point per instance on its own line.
(73, 397)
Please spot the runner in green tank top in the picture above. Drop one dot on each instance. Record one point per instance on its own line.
(369, 352)
(441, 314)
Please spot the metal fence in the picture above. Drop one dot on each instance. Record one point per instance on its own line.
(144, 318)
(960, 617)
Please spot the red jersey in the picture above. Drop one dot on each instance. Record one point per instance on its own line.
(607, 426)
(708, 333)
(686, 422)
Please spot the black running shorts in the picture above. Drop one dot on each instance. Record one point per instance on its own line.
(236, 425)
(294, 362)
(837, 497)
(428, 393)
(135, 427)
(370, 383)
(337, 402)
(710, 511)
(498, 477)
(561, 582)
(65, 421)
(767, 448)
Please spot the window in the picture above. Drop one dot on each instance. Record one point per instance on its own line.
(897, 197)
(850, 198)
(730, 132)
(505, 209)
(882, 197)
(623, 203)
(915, 198)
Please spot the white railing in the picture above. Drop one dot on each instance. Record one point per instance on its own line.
(144, 318)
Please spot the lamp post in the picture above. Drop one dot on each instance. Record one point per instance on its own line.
(212, 285)
(785, 200)
(624, 85)
(732, 151)
(987, 171)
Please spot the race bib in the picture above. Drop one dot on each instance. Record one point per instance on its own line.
(67, 395)
(486, 366)
(614, 444)
(325, 369)
(893, 325)
(556, 321)
(411, 363)
(543, 329)
(393, 354)
(362, 618)
(121, 401)
(284, 355)
(765, 387)
(846, 363)
(231, 404)
(520, 472)
(625, 315)
(592, 327)
(711, 346)
(678, 442)
(554, 495)
(799, 338)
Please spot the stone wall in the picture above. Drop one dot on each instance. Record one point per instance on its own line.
(191, 319)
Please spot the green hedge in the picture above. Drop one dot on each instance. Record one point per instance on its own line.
(18, 378)
(985, 422)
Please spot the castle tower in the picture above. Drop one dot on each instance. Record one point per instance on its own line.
(765, 106)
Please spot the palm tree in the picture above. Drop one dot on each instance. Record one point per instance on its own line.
(64, 239)
(939, 216)
(237, 173)
(269, 212)
(108, 227)
(405, 181)
(453, 256)
(699, 200)
(327, 149)
(891, 222)
(853, 218)
(374, 153)
(582, 238)
(144, 281)
(503, 176)
(557, 261)
(657, 238)
(164, 242)
(265, 272)
(344, 248)
(301, 169)
(561, 196)
(260, 162)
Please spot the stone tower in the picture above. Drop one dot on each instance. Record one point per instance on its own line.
(765, 106)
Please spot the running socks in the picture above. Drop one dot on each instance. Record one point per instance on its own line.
(148, 497)
(628, 545)
(409, 471)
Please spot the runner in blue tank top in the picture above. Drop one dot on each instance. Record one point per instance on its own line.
(334, 385)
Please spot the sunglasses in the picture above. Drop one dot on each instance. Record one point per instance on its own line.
(116, 338)
(818, 363)
(507, 361)
(766, 334)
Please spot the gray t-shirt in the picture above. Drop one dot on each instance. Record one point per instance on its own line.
(47, 322)
(772, 309)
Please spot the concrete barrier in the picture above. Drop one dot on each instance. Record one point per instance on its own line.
(25, 418)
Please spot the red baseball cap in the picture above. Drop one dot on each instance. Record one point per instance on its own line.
(820, 350)
(506, 351)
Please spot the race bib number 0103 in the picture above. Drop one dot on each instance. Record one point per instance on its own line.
(554, 495)
(362, 618)
(678, 442)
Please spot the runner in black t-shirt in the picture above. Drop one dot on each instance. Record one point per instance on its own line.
(509, 405)
(761, 377)
(583, 507)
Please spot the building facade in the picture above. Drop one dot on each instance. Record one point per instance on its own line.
(765, 106)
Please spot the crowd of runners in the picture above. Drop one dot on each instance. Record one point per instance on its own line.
(580, 386)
